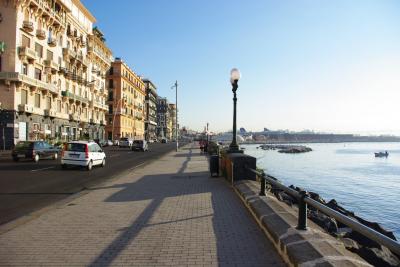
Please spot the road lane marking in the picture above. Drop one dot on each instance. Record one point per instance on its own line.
(43, 169)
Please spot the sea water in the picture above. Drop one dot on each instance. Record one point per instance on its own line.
(347, 172)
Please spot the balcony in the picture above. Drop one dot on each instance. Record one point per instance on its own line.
(50, 113)
(26, 52)
(32, 82)
(99, 105)
(52, 42)
(51, 65)
(67, 52)
(25, 108)
(47, 10)
(40, 34)
(27, 25)
(73, 117)
(74, 97)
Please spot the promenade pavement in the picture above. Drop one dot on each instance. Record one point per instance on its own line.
(166, 213)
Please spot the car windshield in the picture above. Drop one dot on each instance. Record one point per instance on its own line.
(76, 147)
(24, 145)
(124, 139)
(138, 142)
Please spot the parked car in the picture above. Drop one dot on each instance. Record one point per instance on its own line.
(116, 142)
(140, 145)
(83, 153)
(34, 150)
(109, 143)
(125, 142)
(164, 140)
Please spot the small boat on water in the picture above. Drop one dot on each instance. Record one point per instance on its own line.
(381, 154)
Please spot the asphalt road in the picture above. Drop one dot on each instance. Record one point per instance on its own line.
(26, 186)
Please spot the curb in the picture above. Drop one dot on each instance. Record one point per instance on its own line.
(313, 247)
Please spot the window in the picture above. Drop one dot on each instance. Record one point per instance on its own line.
(24, 97)
(110, 109)
(38, 74)
(37, 100)
(111, 83)
(66, 108)
(58, 105)
(26, 42)
(49, 55)
(48, 102)
(24, 69)
(39, 50)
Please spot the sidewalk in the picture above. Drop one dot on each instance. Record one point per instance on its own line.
(167, 213)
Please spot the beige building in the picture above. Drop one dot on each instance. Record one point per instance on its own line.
(126, 100)
(52, 71)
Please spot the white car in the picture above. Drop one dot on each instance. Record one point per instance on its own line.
(125, 142)
(82, 153)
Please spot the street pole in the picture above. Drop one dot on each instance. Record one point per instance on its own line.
(235, 76)
(176, 115)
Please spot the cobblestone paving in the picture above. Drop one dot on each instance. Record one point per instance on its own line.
(167, 213)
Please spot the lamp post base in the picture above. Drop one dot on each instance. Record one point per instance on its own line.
(234, 149)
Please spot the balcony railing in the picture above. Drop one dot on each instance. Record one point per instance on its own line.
(24, 51)
(50, 113)
(52, 42)
(47, 10)
(27, 25)
(73, 117)
(67, 52)
(76, 78)
(51, 64)
(41, 34)
(25, 108)
(17, 77)
(75, 97)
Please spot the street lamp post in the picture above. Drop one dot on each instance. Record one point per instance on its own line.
(235, 76)
(176, 114)
(115, 113)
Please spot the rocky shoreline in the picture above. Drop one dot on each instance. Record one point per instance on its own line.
(291, 149)
(366, 248)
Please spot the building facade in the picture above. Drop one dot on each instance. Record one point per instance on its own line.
(150, 122)
(46, 88)
(126, 102)
(163, 118)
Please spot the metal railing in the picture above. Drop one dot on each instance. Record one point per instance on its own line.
(304, 200)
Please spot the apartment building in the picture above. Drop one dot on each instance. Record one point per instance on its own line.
(163, 118)
(150, 122)
(126, 102)
(47, 87)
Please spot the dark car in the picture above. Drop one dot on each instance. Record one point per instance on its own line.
(34, 150)
(140, 145)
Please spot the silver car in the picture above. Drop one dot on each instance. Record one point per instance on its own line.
(125, 142)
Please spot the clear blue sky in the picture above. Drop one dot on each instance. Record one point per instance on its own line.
(320, 65)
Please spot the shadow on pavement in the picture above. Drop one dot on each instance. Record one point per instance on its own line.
(235, 235)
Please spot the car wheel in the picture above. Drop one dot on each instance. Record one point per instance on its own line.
(64, 166)
(15, 159)
(36, 158)
(55, 156)
(103, 163)
(89, 166)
